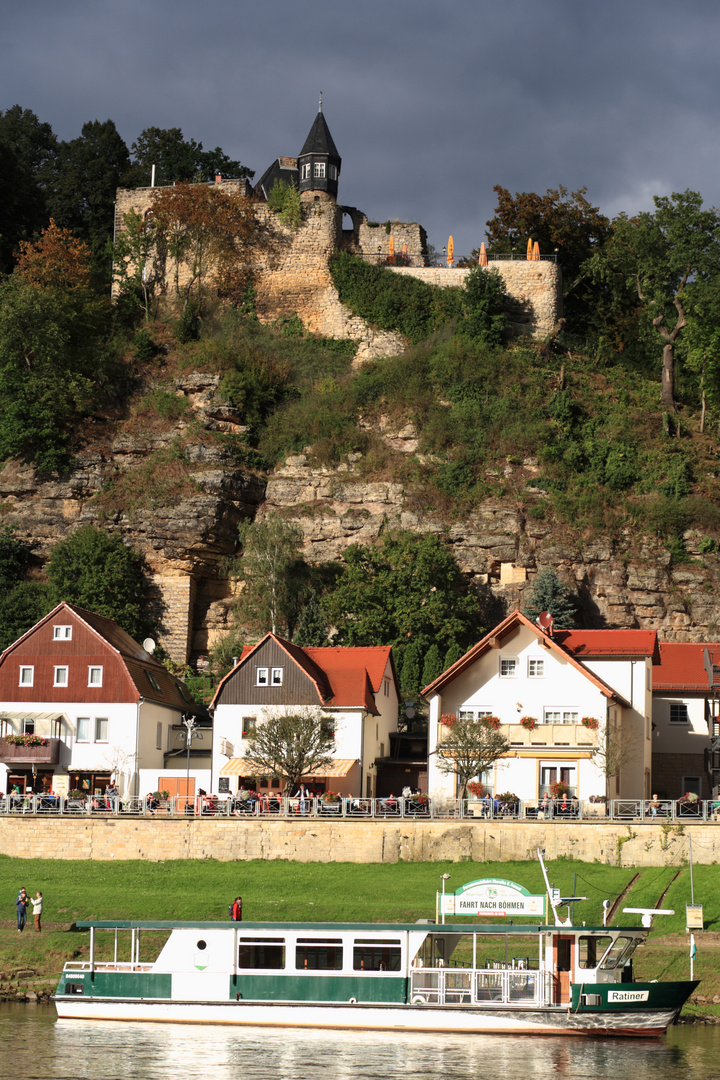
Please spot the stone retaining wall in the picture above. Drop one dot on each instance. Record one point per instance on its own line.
(229, 839)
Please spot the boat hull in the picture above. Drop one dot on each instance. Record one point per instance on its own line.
(363, 1017)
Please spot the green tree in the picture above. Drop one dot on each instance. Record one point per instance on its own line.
(291, 746)
(405, 588)
(467, 749)
(432, 665)
(666, 261)
(410, 671)
(312, 628)
(452, 656)
(89, 171)
(22, 602)
(284, 200)
(550, 594)
(559, 219)
(176, 159)
(22, 206)
(51, 366)
(136, 265)
(97, 571)
(485, 307)
(269, 569)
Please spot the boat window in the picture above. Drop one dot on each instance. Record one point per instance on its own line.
(618, 951)
(318, 954)
(202, 945)
(374, 955)
(261, 952)
(590, 948)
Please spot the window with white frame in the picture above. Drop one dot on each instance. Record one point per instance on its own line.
(561, 716)
(83, 729)
(508, 667)
(678, 712)
(473, 714)
(158, 736)
(536, 667)
(319, 169)
(249, 727)
(62, 633)
(61, 676)
(262, 676)
(386, 687)
(95, 676)
(28, 726)
(27, 675)
(306, 171)
(276, 676)
(101, 729)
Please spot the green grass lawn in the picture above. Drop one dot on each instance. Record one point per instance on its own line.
(342, 892)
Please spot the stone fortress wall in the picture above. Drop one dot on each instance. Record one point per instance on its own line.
(291, 274)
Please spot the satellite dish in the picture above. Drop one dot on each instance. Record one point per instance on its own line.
(149, 645)
(545, 619)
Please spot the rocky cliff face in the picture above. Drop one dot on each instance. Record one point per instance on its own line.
(187, 526)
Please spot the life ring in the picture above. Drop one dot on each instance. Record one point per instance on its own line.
(419, 1000)
(353, 1001)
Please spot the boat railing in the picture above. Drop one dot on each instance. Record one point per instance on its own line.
(106, 965)
(468, 986)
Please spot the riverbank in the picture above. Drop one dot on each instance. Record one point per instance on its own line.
(343, 892)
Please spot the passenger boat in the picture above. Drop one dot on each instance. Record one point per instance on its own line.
(470, 978)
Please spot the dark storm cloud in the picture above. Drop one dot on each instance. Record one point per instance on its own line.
(430, 102)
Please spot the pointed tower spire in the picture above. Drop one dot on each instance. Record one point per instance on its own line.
(319, 161)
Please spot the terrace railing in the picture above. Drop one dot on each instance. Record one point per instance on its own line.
(558, 811)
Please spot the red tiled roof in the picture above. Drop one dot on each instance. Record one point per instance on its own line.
(682, 667)
(584, 644)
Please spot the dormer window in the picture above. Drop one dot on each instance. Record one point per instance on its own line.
(276, 676)
(262, 676)
(319, 170)
(62, 633)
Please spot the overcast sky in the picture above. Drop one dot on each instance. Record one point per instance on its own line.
(430, 102)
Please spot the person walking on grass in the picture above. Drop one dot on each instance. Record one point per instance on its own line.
(37, 902)
(21, 905)
(236, 909)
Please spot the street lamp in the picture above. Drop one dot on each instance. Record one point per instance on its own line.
(445, 877)
(190, 723)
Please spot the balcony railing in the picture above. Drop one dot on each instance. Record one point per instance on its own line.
(22, 754)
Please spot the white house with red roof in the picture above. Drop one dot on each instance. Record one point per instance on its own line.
(356, 690)
(556, 694)
(684, 720)
(103, 707)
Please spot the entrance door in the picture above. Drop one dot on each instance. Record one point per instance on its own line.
(563, 958)
(179, 787)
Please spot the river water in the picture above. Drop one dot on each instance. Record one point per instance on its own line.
(34, 1045)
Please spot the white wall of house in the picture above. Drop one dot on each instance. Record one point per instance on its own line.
(523, 678)
(633, 680)
(228, 741)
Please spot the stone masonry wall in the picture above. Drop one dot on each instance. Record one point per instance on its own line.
(231, 840)
(534, 290)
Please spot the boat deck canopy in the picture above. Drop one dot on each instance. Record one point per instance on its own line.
(502, 929)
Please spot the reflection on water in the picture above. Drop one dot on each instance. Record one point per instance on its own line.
(36, 1046)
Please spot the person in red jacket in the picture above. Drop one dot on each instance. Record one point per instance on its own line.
(237, 910)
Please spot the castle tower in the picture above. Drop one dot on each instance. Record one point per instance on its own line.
(319, 161)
